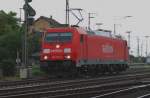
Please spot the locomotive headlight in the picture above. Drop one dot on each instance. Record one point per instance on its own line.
(45, 57)
(68, 57)
(67, 50)
(46, 50)
(57, 46)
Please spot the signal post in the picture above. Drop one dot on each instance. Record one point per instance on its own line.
(29, 13)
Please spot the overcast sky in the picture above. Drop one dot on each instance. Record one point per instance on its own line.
(107, 12)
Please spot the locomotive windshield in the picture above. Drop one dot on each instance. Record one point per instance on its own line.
(58, 37)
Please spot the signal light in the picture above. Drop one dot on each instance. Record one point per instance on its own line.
(30, 12)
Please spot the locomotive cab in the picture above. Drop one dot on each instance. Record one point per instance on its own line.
(57, 46)
(57, 49)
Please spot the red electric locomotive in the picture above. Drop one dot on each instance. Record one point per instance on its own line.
(73, 49)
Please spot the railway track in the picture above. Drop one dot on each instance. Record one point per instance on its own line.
(68, 89)
(131, 92)
(39, 81)
(4, 84)
(84, 92)
(145, 96)
(77, 88)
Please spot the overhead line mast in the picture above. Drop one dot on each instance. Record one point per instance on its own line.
(67, 12)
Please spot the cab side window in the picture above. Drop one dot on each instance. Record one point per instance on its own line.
(81, 39)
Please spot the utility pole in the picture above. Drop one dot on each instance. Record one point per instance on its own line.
(129, 32)
(25, 33)
(138, 48)
(142, 49)
(89, 18)
(146, 52)
(114, 29)
(67, 12)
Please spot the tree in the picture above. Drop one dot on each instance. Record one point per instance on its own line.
(8, 22)
(10, 39)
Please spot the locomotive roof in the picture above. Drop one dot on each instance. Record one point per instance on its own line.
(103, 33)
(67, 29)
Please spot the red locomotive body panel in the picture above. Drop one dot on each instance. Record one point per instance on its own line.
(106, 49)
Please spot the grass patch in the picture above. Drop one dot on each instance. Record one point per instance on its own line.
(36, 71)
(10, 78)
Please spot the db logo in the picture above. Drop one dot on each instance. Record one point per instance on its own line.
(57, 50)
(107, 49)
